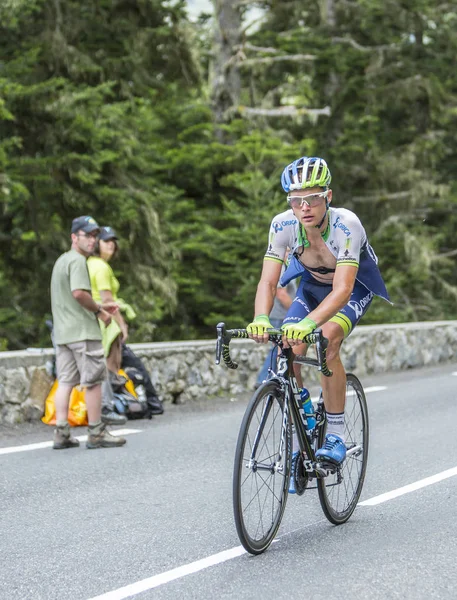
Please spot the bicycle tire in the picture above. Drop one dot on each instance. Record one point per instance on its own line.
(339, 499)
(257, 518)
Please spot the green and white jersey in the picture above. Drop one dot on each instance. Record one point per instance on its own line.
(344, 236)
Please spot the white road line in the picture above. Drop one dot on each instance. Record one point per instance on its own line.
(374, 388)
(412, 487)
(156, 580)
(40, 445)
(454, 373)
(152, 582)
(83, 438)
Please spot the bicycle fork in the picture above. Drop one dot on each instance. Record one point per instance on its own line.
(275, 466)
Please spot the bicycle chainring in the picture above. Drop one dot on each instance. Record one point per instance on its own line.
(301, 477)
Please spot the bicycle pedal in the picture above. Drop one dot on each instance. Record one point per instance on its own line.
(326, 467)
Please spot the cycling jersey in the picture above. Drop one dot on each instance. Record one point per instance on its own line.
(344, 237)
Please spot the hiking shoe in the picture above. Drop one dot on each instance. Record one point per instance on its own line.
(99, 437)
(292, 473)
(63, 439)
(110, 417)
(333, 450)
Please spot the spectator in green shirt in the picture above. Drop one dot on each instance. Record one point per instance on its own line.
(77, 337)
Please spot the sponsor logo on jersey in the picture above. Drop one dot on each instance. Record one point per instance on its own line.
(358, 307)
(339, 225)
(279, 226)
(302, 302)
(270, 254)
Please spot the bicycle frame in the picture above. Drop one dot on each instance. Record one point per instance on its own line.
(293, 403)
(286, 378)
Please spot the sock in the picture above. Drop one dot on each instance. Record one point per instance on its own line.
(335, 424)
(62, 424)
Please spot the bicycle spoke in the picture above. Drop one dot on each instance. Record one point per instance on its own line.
(339, 499)
(261, 493)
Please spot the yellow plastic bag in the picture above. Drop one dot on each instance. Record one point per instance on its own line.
(77, 411)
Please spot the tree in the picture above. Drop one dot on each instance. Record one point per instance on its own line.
(85, 92)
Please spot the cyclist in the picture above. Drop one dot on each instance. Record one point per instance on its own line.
(339, 276)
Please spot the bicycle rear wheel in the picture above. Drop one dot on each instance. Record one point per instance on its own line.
(261, 473)
(340, 492)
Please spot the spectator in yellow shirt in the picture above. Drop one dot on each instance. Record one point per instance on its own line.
(105, 288)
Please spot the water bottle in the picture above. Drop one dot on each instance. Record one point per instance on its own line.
(308, 409)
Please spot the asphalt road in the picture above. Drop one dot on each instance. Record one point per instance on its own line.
(156, 515)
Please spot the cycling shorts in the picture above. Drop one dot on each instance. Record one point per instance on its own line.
(310, 294)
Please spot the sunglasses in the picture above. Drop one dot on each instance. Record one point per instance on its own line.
(88, 235)
(312, 200)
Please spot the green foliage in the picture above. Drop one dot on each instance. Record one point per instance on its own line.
(104, 110)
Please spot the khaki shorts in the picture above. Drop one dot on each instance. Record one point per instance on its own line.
(81, 363)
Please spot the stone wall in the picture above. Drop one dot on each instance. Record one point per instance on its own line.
(185, 371)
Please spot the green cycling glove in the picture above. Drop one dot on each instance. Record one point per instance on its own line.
(259, 325)
(298, 331)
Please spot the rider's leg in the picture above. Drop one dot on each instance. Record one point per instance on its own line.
(334, 388)
(300, 350)
(334, 393)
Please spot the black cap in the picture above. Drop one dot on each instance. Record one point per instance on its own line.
(107, 233)
(84, 223)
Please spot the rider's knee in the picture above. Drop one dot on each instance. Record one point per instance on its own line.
(335, 335)
(300, 349)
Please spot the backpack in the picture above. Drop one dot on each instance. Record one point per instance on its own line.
(129, 399)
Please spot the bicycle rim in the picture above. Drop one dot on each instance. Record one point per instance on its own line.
(260, 486)
(340, 492)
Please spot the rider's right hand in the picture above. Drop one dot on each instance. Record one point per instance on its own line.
(258, 328)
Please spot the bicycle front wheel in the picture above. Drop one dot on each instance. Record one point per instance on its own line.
(262, 468)
(340, 492)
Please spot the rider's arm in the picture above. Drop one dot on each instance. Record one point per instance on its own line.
(282, 235)
(266, 289)
(283, 232)
(343, 284)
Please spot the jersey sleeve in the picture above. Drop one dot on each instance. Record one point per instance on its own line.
(349, 236)
(281, 237)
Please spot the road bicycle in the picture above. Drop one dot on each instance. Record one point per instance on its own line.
(263, 455)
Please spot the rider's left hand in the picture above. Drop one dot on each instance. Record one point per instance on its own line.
(296, 332)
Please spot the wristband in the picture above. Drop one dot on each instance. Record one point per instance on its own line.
(99, 310)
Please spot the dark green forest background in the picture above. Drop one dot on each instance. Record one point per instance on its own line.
(175, 133)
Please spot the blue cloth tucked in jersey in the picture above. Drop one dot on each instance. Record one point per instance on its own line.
(368, 274)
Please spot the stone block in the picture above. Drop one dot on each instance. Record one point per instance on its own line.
(16, 385)
(40, 385)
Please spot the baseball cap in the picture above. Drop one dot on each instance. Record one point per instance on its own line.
(84, 223)
(107, 233)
